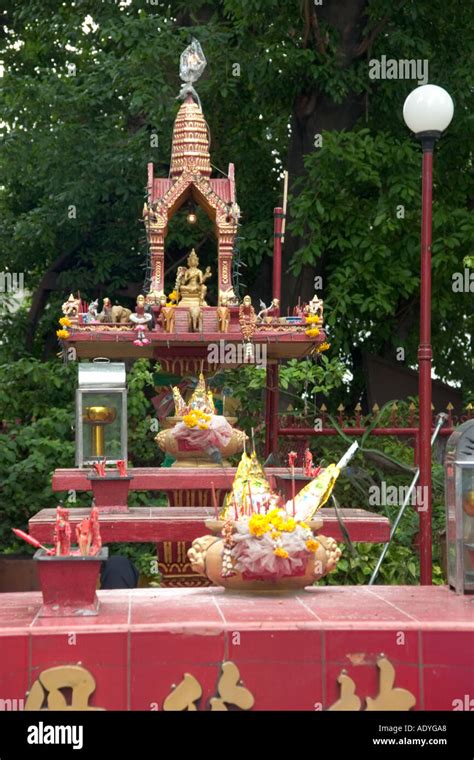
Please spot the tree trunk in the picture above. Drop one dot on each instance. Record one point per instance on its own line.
(314, 112)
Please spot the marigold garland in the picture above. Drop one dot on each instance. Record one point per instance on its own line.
(312, 545)
(196, 418)
(273, 522)
(247, 321)
(323, 347)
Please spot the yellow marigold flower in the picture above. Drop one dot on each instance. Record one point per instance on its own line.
(258, 525)
(276, 534)
(289, 525)
(62, 334)
(173, 296)
(312, 545)
(196, 417)
(312, 319)
(323, 347)
(313, 332)
(65, 322)
(279, 552)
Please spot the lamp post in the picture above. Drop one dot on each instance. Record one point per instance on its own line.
(427, 111)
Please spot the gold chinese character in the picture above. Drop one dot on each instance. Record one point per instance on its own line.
(50, 682)
(388, 698)
(230, 691)
(185, 695)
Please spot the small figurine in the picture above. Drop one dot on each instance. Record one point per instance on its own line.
(194, 318)
(269, 312)
(62, 532)
(99, 468)
(247, 318)
(167, 315)
(96, 539)
(141, 319)
(91, 315)
(223, 315)
(229, 294)
(87, 533)
(122, 468)
(113, 314)
(83, 536)
(308, 463)
(71, 307)
(315, 307)
(88, 536)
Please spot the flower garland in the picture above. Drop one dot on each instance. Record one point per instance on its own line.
(312, 320)
(63, 333)
(276, 523)
(196, 418)
(247, 321)
(173, 298)
(323, 347)
(271, 545)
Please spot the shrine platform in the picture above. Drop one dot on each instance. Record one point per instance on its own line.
(150, 524)
(289, 649)
(116, 341)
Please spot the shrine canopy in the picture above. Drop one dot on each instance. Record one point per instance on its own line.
(190, 179)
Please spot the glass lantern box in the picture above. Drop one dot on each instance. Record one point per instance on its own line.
(459, 494)
(101, 412)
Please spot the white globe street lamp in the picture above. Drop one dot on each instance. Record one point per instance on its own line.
(428, 108)
(427, 111)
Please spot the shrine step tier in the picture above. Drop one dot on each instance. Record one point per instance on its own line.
(346, 648)
(174, 527)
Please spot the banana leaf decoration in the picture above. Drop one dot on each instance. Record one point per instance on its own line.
(249, 470)
(316, 493)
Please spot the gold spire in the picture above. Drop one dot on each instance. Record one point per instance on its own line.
(190, 149)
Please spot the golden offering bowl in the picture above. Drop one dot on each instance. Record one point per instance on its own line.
(99, 415)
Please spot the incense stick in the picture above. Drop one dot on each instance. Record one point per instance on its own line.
(214, 500)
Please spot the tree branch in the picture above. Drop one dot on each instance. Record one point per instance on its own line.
(40, 296)
(368, 41)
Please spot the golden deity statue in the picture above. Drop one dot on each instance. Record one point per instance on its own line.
(190, 282)
(202, 399)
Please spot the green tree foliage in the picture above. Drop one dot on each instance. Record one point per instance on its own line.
(88, 98)
(86, 86)
(37, 436)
